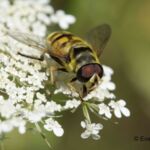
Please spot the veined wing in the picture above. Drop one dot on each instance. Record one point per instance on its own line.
(29, 40)
(98, 37)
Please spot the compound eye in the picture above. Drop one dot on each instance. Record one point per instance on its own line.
(87, 71)
(100, 71)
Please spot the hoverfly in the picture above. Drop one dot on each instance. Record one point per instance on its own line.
(71, 53)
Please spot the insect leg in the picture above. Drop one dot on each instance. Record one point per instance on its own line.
(73, 89)
(53, 69)
(62, 69)
(32, 57)
(84, 88)
(84, 91)
(73, 79)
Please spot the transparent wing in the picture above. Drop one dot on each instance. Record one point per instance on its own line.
(98, 37)
(29, 39)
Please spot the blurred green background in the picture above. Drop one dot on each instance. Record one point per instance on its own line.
(128, 53)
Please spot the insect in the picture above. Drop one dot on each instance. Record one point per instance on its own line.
(71, 53)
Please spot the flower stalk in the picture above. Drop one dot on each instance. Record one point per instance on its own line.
(43, 135)
(86, 113)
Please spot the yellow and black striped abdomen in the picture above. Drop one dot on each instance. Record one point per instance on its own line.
(61, 43)
(70, 51)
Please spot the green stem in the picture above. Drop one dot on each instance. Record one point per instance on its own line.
(86, 113)
(43, 135)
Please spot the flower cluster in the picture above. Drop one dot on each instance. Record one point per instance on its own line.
(26, 95)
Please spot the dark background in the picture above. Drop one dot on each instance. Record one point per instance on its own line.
(128, 53)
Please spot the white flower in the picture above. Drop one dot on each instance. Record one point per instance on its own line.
(53, 125)
(41, 97)
(38, 25)
(106, 84)
(119, 107)
(36, 115)
(16, 122)
(29, 97)
(7, 109)
(62, 19)
(70, 104)
(92, 129)
(104, 109)
(19, 123)
(66, 91)
(52, 107)
(22, 80)
(5, 126)
(107, 71)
